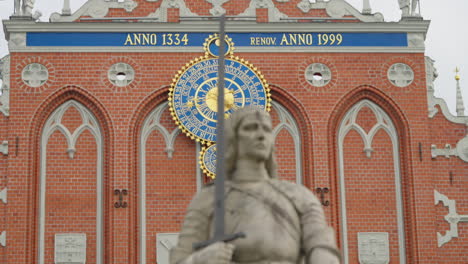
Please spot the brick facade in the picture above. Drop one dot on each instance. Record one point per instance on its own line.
(71, 191)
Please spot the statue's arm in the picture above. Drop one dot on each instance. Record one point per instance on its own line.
(318, 239)
(196, 228)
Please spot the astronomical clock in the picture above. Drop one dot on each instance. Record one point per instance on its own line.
(193, 96)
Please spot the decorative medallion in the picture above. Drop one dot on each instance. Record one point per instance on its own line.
(193, 93)
(318, 74)
(400, 74)
(35, 75)
(208, 160)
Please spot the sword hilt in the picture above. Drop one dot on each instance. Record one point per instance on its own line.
(225, 238)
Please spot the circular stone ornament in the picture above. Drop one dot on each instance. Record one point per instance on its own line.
(35, 75)
(121, 74)
(194, 92)
(208, 161)
(318, 74)
(400, 74)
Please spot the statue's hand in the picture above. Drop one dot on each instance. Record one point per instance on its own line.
(323, 256)
(217, 253)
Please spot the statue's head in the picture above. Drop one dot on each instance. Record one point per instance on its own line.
(249, 135)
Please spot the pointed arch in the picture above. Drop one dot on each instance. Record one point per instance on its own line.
(296, 111)
(47, 120)
(390, 119)
(146, 115)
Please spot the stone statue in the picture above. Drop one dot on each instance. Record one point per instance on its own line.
(24, 7)
(283, 221)
(408, 7)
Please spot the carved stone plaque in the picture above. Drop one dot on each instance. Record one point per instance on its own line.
(373, 248)
(70, 248)
(164, 243)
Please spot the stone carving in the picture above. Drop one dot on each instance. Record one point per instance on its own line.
(408, 7)
(161, 12)
(17, 40)
(431, 75)
(70, 248)
(460, 151)
(453, 218)
(338, 9)
(3, 195)
(23, 7)
(416, 40)
(4, 148)
(121, 74)
(318, 74)
(274, 15)
(5, 88)
(35, 75)
(3, 239)
(164, 243)
(217, 9)
(95, 9)
(373, 248)
(400, 74)
(285, 216)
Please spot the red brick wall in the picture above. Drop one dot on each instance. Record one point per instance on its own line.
(317, 111)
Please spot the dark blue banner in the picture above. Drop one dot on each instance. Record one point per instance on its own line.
(181, 39)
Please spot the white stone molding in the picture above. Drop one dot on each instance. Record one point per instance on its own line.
(94, 9)
(373, 248)
(152, 123)
(70, 248)
(164, 243)
(452, 218)
(383, 123)
(5, 88)
(3, 195)
(287, 122)
(161, 13)
(461, 150)
(17, 40)
(274, 15)
(416, 40)
(431, 76)
(3, 239)
(338, 9)
(4, 147)
(54, 123)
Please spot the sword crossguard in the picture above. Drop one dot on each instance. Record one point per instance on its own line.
(225, 238)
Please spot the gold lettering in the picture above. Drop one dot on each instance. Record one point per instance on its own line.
(257, 41)
(137, 39)
(301, 39)
(146, 39)
(293, 39)
(154, 39)
(129, 40)
(284, 39)
(309, 39)
(252, 41)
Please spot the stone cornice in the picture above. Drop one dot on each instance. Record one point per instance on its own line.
(12, 26)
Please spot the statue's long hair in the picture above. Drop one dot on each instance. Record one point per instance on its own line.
(231, 134)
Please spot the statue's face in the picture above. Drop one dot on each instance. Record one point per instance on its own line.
(255, 137)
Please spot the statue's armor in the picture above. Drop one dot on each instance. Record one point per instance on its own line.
(282, 222)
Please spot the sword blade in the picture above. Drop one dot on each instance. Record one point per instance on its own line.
(219, 181)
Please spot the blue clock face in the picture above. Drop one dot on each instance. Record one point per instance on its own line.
(194, 96)
(208, 161)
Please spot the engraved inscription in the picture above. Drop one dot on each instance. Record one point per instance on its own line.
(373, 248)
(70, 248)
